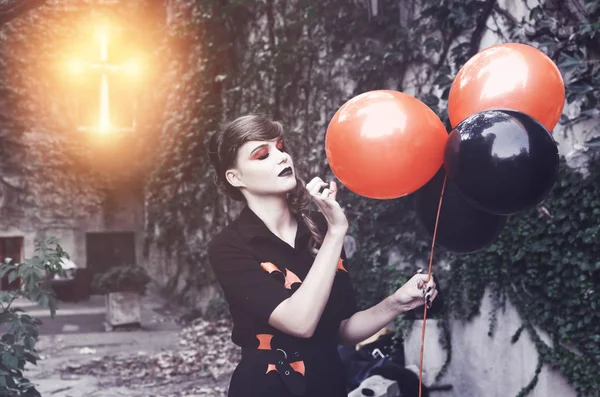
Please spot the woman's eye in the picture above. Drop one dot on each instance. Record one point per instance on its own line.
(263, 154)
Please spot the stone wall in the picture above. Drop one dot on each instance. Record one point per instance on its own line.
(483, 365)
(71, 233)
(492, 366)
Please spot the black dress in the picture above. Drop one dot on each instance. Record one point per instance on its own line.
(257, 271)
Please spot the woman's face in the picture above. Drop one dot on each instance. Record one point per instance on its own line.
(263, 168)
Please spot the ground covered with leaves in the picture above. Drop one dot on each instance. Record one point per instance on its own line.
(200, 366)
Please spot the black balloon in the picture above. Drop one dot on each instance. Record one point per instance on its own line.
(462, 228)
(503, 161)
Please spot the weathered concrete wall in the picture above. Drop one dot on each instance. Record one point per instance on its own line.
(483, 365)
(493, 367)
(570, 139)
(126, 215)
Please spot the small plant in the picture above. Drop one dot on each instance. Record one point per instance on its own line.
(217, 309)
(17, 344)
(126, 278)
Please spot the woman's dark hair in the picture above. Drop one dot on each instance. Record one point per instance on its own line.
(222, 151)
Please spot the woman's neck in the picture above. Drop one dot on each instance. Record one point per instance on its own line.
(276, 214)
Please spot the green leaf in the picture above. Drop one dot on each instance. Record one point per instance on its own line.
(535, 13)
(10, 360)
(446, 93)
(581, 88)
(9, 339)
(569, 62)
(13, 276)
(20, 352)
(31, 358)
(5, 268)
(593, 142)
(590, 8)
(442, 80)
(431, 43)
(29, 341)
(26, 385)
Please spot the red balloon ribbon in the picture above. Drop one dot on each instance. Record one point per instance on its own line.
(437, 219)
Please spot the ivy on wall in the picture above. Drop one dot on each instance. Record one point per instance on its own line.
(50, 170)
(180, 198)
(298, 61)
(547, 265)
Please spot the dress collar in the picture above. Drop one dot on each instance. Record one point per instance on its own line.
(251, 227)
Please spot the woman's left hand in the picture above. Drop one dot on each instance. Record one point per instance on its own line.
(416, 292)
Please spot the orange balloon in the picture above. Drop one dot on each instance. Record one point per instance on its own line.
(508, 76)
(385, 144)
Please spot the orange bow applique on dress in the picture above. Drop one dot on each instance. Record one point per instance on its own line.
(340, 266)
(290, 277)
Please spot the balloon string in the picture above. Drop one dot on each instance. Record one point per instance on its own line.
(437, 219)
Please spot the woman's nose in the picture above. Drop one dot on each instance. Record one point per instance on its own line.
(284, 157)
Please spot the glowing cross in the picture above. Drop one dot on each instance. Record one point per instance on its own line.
(104, 125)
(104, 122)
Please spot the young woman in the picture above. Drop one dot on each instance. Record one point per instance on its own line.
(284, 271)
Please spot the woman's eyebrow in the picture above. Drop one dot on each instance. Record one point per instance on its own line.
(265, 145)
(259, 147)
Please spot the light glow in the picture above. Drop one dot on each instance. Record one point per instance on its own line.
(75, 66)
(93, 68)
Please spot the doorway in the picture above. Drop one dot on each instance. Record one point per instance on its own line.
(108, 249)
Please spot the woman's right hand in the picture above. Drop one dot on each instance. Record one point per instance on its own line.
(325, 201)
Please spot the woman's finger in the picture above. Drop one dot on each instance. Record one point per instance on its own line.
(420, 280)
(425, 281)
(429, 298)
(310, 183)
(326, 193)
(434, 294)
(322, 200)
(334, 189)
(316, 187)
(325, 204)
(431, 280)
(430, 286)
(318, 196)
(429, 294)
(315, 181)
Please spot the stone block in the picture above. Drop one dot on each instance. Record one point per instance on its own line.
(376, 386)
(123, 308)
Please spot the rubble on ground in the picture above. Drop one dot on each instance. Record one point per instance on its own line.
(205, 354)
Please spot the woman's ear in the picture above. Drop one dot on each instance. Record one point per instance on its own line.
(233, 177)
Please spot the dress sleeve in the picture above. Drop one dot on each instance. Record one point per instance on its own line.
(245, 281)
